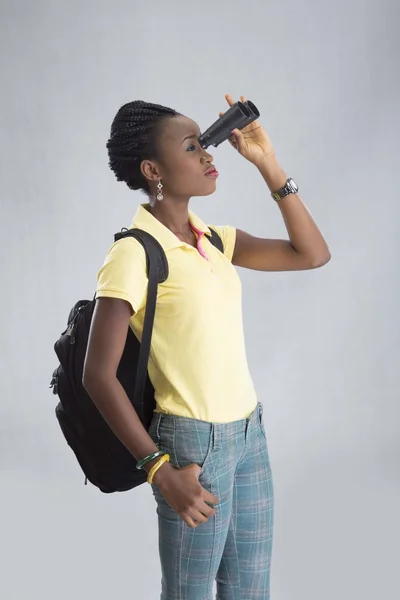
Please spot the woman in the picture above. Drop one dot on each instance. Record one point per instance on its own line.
(206, 450)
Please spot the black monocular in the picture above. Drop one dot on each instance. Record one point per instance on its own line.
(238, 116)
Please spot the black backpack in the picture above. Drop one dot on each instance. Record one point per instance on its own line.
(105, 461)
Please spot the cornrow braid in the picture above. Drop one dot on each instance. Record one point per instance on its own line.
(133, 139)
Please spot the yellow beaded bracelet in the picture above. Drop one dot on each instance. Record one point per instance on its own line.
(155, 467)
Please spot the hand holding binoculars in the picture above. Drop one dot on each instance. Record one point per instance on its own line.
(238, 116)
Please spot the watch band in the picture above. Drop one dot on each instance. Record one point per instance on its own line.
(290, 187)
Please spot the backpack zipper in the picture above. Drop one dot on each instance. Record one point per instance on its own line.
(54, 383)
(72, 326)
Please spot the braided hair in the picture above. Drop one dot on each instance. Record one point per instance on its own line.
(133, 138)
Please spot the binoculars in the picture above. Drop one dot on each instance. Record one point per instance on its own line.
(239, 115)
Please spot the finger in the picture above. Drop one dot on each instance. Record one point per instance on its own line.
(232, 137)
(190, 522)
(221, 114)
(197, 470)
(198, 517)
(229, 99)
(194, 518)
(239, 139)
(210, 498)
(233, 143)
(208, 511)
(242, 98)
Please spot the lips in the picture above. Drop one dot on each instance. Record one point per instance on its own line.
(211, 172)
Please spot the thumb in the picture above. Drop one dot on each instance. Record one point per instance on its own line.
(238, 138)
(194, 467)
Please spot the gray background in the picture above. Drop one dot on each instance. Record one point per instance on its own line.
(323, 345)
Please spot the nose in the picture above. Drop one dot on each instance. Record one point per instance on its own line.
(207, 157)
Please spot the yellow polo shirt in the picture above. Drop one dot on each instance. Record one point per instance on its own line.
(198, 363)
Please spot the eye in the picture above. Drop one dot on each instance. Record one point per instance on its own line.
(191, 148)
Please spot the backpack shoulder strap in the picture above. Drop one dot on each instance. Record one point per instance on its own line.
(157, 272)
(153, 250)
(216, 240)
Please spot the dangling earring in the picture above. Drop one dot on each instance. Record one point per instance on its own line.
(160, 196)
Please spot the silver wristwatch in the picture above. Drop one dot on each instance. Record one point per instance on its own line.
(290, 187)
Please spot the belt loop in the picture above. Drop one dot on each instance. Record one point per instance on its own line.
(215, 432)
(260, 409)
(247, 427)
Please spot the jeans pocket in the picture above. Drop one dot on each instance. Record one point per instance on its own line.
(194, 446)
(207, 456)
(153, 429)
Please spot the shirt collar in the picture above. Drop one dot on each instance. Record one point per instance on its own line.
(143, 219)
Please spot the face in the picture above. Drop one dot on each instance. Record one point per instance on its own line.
(183, 163)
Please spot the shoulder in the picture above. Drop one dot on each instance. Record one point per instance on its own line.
(123, 274)
(126, 250)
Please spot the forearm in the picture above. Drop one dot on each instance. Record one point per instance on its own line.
(304, 234)
(112, 402)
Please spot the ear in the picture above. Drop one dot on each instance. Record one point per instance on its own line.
(150, 170)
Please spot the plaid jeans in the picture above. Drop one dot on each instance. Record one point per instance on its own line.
(234, 547)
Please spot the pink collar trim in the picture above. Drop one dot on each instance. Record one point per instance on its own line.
(200, 235)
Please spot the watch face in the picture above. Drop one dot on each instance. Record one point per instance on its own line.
(289, 188)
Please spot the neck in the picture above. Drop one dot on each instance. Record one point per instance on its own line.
(173, 214)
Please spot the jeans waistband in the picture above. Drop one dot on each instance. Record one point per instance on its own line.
(221, 432)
